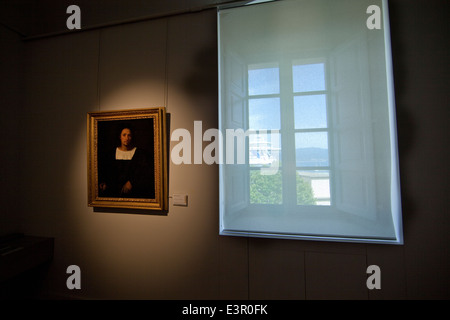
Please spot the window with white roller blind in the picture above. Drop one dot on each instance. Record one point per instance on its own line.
(311, 86)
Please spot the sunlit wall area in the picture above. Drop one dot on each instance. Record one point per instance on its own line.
(125, 255)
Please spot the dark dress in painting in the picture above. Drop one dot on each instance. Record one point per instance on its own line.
(119, 167)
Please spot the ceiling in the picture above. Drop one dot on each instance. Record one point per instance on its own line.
(35, 18)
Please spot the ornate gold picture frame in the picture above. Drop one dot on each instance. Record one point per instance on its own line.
(127, 159)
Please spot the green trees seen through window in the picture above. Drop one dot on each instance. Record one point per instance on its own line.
(267, 189)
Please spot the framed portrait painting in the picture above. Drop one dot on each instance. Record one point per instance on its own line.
(127, 164)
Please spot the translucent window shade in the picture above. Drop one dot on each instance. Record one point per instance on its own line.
(263, 80)
(310, 111)
(264, 113)
(309, 77)
(264, 149)
(313, 187)
(305, 72)
(261, 193)
(311, 149)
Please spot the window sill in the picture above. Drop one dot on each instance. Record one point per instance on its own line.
(311, 223)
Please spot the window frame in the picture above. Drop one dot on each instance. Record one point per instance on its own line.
(288, 131)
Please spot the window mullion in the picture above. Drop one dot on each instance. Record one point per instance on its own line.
(288, 135)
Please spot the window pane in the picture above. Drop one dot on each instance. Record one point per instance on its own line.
(310, 111)
(264, 114)
(308, 77)
(265, 150)
(265, 189)
(311, 149)
(263, 81)
(313, 187)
